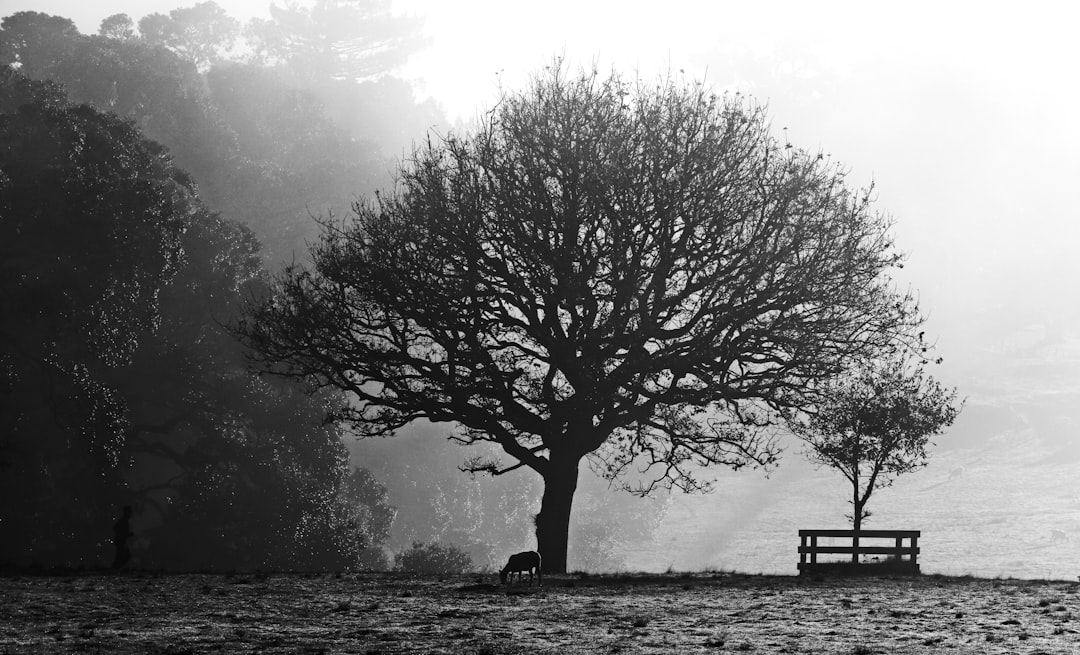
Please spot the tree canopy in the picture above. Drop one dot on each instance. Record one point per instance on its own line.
(263, 145)
(349, 40)
(202, 33)
(117, 26)
(635, 273)
(91, 218)
(225, 469)
(120, 385)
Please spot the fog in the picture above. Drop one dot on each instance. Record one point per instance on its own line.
(961, 117)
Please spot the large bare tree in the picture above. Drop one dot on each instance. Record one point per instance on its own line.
(635, 273)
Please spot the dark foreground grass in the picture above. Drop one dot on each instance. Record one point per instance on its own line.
(711, 612)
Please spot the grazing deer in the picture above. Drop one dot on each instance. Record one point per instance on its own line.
(1058, 536)
(519, 563)
(956, 473)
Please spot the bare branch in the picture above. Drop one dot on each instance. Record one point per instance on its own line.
(641, 275)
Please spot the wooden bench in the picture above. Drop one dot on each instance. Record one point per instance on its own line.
(898, 557)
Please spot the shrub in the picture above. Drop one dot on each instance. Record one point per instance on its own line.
(433, 558)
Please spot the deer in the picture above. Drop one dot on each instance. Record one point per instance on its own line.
(528, 561)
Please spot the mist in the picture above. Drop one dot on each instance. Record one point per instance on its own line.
(959, 120)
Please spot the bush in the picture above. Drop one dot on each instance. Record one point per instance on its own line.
(433, 558)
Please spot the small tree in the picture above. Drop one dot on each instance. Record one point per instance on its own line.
(875, 424)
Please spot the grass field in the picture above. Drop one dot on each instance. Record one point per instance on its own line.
(674, 613)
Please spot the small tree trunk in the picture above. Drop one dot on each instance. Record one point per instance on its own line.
(553, 521)
(856, 524)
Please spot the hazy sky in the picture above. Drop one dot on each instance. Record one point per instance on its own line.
(961, 113)
(473, 40)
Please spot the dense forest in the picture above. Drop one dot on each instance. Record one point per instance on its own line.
(153, 177)
(140, 176)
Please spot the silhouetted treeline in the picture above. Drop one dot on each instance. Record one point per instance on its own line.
(124, 264)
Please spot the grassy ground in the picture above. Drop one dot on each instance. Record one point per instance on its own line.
(673, 613)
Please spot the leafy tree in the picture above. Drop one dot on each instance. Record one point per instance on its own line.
(344, 51)
(202, 33)
(91, 218)
(261, 146)
(240, 471)
(875, 423)
(630, 273)
(371, 519)
(195, 442)
(117, 26)
(29, 37)
(150, 85)
(267, 490)
(118, 382)
(347, 40)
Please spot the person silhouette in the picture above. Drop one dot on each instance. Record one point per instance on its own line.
(121, 532)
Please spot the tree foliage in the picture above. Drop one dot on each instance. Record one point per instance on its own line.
(875, 423)
(117, 26)
(638, 274)
(348, 40)
(91, 218)
(345, 52)
(202, 33)
(198, 443)
(119, 383)
(150, 85)
(29, 36)
(263, 145)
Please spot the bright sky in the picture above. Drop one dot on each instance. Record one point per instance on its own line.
(474, 41)
(962, 113)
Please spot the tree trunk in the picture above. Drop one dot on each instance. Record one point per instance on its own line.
(856, 525)
(553, 521)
